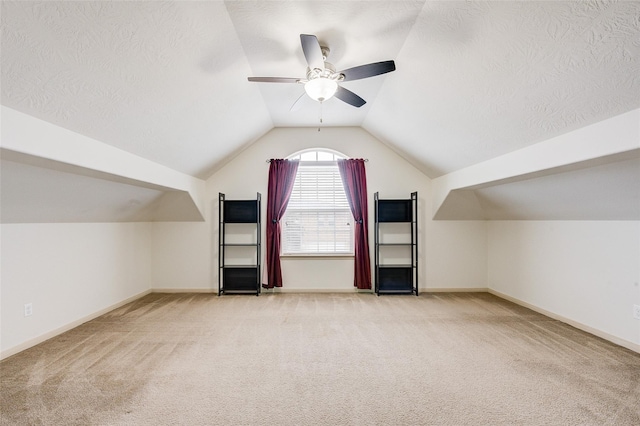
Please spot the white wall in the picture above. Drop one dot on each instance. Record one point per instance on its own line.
(69, 272)
(584, 272)
(453, 254)
(181, 255)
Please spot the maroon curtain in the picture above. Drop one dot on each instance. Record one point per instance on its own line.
(282, 175)
(354, 180)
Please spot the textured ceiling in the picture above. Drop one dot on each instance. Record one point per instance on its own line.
(480, 79)
(163, 80)
(167, 81)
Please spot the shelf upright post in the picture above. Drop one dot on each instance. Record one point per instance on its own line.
(414, 239)
(258, 241)
(221, 234)
(376, 245)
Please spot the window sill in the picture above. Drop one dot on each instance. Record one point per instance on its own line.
(318, 256)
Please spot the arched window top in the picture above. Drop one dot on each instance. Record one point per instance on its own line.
(317, 155)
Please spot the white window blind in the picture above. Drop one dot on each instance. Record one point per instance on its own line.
(317, 219)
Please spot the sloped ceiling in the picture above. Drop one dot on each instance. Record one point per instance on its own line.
(167, 81)
(485, 78)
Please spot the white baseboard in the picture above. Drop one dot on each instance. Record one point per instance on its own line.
(281, 290)
(53, 333)
(278, 290)
(355, 290)
(599, 333)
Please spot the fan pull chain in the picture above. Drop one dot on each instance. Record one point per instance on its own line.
(320, 116)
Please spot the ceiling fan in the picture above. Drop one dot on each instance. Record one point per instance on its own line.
(321, 82)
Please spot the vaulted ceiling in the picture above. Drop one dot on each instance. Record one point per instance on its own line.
(167, 81)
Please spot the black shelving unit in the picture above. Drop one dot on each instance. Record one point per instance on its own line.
(396, 245)
(239, 251)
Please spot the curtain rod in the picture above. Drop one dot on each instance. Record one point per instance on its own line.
(366, 160)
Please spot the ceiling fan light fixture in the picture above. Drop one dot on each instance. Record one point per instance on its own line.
(323, 80)
(320, 89)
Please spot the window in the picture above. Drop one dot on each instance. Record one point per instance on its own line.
(318, 220)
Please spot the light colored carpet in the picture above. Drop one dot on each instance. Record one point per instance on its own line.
(322, 359)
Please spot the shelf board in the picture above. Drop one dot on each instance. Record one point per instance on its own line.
(396, 244)
(240, 245)
(239, 267)
(400, 265)
(396, 291)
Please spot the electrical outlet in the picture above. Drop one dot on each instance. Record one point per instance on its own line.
(28, 309)
(636, 311)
